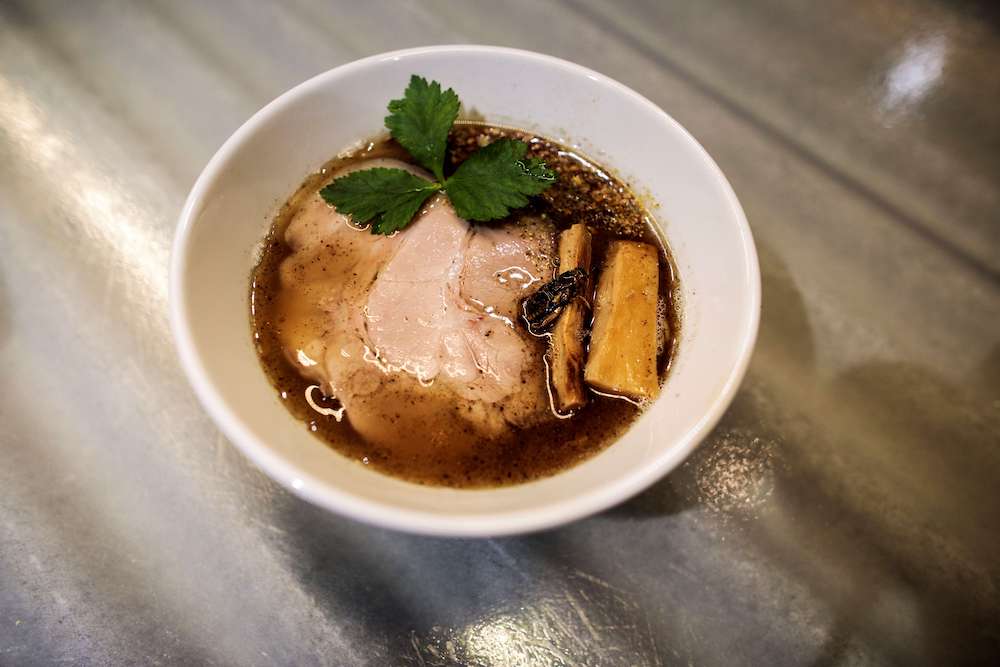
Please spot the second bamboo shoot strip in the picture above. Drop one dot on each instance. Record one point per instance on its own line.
(567, 336)
(623, 347)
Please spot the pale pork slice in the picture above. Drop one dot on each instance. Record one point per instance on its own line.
(510, 386)
(443, 308)
(327, 276)
(505, 264)
(414, 333)
(409, 308)
(502, 266)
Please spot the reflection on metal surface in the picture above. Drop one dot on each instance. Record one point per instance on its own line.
(913, 75)
(115, 226)
(132, 533)
(733, 473)
(589, 623)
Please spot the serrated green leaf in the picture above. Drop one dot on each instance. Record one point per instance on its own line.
(421, 120)
(486, 186)
(496, 179)
(387, 198)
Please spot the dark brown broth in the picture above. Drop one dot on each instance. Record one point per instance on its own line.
(584, 192)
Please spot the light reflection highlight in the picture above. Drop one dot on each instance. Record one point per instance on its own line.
(589, 622)
(913, 75)
(336, 413)
(305, 359)
(113, 222)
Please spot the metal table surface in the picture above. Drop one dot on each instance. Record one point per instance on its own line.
(846, 511)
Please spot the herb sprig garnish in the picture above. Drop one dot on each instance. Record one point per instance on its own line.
(488, 185)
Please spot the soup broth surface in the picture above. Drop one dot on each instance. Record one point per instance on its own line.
(584, 192)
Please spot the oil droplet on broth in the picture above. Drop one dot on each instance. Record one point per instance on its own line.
(314, 402)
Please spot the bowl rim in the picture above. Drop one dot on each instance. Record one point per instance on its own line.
(303, 484)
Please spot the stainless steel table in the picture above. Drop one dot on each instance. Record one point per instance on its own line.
(846, 511)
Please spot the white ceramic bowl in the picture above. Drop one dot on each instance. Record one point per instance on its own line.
(234, 199)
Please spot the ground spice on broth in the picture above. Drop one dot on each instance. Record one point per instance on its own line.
(584, 192)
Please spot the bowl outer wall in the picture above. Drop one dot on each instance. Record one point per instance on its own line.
(228, 211)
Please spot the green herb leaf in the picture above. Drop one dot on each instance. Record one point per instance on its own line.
(496, 179)
(388, 198)
(421, 120)
(486, 186)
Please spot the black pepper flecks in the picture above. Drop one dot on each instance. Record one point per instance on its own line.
(583, 191)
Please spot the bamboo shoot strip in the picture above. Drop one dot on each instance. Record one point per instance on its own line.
(567, 336)
(622, 357)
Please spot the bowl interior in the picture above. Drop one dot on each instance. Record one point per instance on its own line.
(232, 204)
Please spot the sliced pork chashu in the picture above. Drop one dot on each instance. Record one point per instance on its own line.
(411, 330)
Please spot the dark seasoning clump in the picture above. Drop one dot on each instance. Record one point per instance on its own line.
(584, 192)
